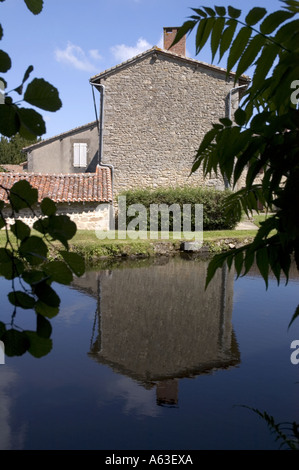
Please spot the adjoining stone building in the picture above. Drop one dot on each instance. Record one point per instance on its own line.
(86, 198)
(155, 110)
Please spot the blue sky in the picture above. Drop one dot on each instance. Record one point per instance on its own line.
(72, 40)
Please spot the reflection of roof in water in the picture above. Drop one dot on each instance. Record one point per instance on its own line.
(148, 381)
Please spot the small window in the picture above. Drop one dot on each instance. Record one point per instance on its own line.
(80, 155)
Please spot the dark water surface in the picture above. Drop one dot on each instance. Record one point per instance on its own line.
(144, 358)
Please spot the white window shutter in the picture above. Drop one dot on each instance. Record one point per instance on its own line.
(83, 155)
(80, 155)
(77, 155)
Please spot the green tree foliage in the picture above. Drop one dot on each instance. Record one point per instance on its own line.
(263, 137)
(38, 93)
(11, 149)
(27, 261)
(27, 258)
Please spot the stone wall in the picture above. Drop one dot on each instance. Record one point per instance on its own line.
(159, 321)
(157, 111)
(87, 216)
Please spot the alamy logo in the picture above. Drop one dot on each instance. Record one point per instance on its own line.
(295, 94)
(2, 353)
(155, 223)
(295, 354)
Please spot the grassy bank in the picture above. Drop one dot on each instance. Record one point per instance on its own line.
(87, 244)
(92, 249)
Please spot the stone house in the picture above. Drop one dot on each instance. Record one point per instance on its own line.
(154, 111)
(85, 197)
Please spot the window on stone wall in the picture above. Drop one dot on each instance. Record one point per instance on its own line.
(80, 155)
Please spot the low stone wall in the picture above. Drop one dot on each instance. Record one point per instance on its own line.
(87, 216)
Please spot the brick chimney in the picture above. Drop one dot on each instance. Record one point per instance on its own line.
(169, 35)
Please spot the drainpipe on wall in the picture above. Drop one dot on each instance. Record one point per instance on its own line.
(100, 155)
(226, 182)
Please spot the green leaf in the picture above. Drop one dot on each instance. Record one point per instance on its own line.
(2, 221)
(45, 310)
(61, 228)
(12, 269)
(221, 11)
(39, 346)
(226, 122)
(255, 15)
(59, 272)
(203, 32)
(296, 314)
(216, 263)
(238, 262)
(1, 32)
(263, 66)
(43, 326)
(75, 262)
(9, 120)
(272, 21)
(209, 11)
(227, 38)
(32, 124)
(186, 28)
(240, 117)
(2, 329)
(22, 195)
(200, 12)
(35, 6)
(262, 262)
(216, 35)
(48, 206)
(238, 46)
(16, 343)
(43, 95)
(20, 230)
(5, 62)
(249, 55)
(47, 294)
(233, 12)
(21, 299)
(33, 277)
(19, 89)
(41, 225)
(5, 255)
(34, 250)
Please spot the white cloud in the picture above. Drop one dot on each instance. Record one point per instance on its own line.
(76, 57)
(94, 54)
(122, 52)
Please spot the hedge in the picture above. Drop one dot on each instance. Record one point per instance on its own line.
(212, 200)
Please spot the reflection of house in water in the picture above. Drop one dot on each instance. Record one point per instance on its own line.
(157, 324)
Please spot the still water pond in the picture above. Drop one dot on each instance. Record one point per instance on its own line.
(144, 358)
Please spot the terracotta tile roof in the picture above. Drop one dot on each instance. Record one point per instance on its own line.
(75, 187)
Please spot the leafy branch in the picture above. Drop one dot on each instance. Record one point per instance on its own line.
(260, 145)
(38, 93)
(26, 258)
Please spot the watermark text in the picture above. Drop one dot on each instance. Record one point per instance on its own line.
(295, 354)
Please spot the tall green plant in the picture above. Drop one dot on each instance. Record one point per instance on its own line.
(263, 136)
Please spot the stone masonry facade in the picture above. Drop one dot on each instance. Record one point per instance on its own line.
(87, 216)
(157, 110)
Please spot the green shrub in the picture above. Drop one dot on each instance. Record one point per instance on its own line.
(212, 200)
